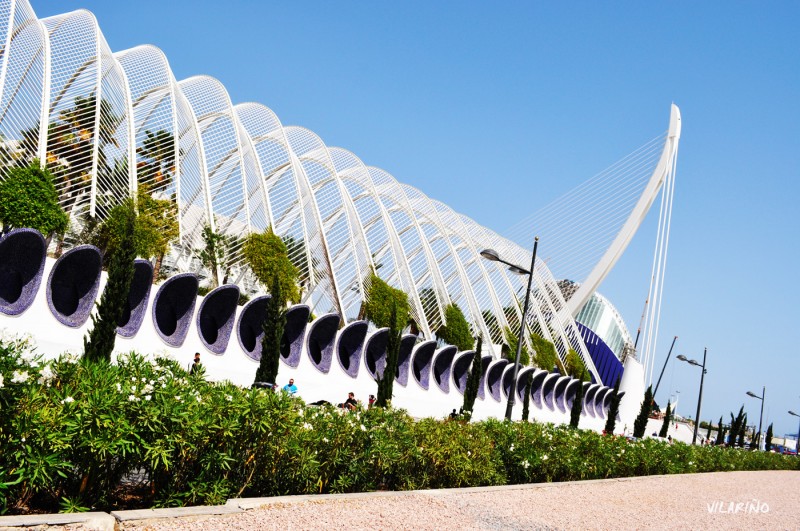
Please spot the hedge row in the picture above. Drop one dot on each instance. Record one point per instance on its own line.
(143, 433)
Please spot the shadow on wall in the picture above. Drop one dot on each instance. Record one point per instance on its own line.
(22, 257)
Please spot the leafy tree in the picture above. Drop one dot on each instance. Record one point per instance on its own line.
(510, 348)
(545, 353)
(575, 366)
(156, 164)
(768, 439)
(667, 420)
(386, 380)
(266, 255)
(456, 332)
(215, 255)
(385, 306)
(577, 406)
(493, 325)
(28, 198)
(99, 344)
(708, 433)
(156, 226)
(640, 424)
(273, 324)
(613, 409)
(737, 425)
(526, 396)
(720, 433)
(473, 381)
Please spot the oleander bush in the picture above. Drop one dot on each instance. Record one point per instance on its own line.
(142, 432)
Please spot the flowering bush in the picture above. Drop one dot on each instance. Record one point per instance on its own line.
(143, 432)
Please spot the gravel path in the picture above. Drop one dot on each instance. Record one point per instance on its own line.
(769, 500)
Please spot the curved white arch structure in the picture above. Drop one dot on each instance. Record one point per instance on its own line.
(117, 122)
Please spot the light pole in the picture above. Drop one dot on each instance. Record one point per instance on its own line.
(797, 443)
(491, 254)
(761, 416)
(700, 397)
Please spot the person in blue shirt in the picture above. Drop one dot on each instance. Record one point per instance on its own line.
(290, 388)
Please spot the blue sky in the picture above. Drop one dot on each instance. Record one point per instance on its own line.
(496, 108)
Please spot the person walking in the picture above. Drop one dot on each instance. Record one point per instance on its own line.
(196, 366)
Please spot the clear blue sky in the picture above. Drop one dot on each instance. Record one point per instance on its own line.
(496, 108)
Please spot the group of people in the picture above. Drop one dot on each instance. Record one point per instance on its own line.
(350, 404)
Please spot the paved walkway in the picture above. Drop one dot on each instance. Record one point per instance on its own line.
(725, 500)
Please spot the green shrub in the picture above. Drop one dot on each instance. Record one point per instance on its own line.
(141, 432)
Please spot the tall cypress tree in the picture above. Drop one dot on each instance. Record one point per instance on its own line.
(667, 420)
(742, 430)
(273, 324)
(473, 381)
(577, 405)
(386, 380)
(99, 344)
(613, 410)
(708, 433)
(768, 439)
(720, 432)
(640, 424)
(526, 397)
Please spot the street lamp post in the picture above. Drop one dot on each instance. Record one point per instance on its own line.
(491, 254)
(797, 443)
(700, 397)
(761, 416)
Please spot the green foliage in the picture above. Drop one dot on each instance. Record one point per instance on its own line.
(510, 348)
(545, 353)
(456, 332)
(577, 406)
(156, 164)
(613, 410)
(214, 253)
(99, 343)
(266, 255)
(493, 325)
(575, 366)
(737, 425)
(667, 420)
(142, 433)
(156, 223)
(273, 326)
(381, 300)
(640, 424)
(473, 381)
(386, 380)
(28, 198)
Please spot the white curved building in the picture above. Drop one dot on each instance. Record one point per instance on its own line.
(107, 123)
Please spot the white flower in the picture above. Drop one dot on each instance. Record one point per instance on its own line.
(119, 387)
(469, 453)
(132, 398)
(324, 439)
(47, 373)
(19, 377)
(68, 400)
(525, 464)
(1, 380)
(147, 388)
(147, 397)
(144, 379)
(363, 428)
(544, 457)
(178, 398)
(197, 397)
(229, 398)
(511, 448)
(23, 439)
(307, 426)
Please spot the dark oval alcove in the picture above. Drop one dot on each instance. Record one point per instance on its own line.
(349, 345)
(407, 343)
(173, 307)
(73, 284)
(375, 352)
(216, 317)
(321, 337)
(494, 377)
(442, 367)
(249, 328)
(22, 257)
(136, 306)
(421, 363)
(461, 367)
